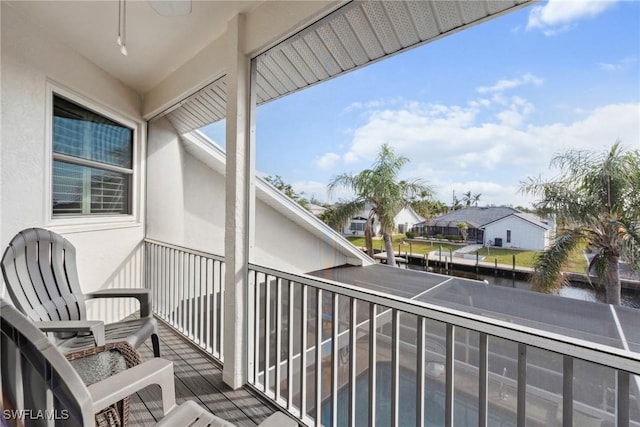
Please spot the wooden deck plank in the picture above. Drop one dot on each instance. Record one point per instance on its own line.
(198, 378)
(195, 373)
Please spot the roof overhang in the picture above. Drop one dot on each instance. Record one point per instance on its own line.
(355, 35)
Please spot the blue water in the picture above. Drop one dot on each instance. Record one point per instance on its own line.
(465, 409)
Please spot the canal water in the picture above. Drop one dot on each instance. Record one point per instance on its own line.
(580, 291)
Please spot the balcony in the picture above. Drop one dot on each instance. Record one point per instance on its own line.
(407, 361)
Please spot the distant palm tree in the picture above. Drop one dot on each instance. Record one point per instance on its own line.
(378, 187)
(470, 199)
(467, 198)
(596, 199)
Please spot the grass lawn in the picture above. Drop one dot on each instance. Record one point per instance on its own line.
(577, 263)
(419, 248)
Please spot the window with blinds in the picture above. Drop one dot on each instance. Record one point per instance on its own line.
(92, 162)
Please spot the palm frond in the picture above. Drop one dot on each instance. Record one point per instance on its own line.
(343, 212)
(547, 275)
(598, 264)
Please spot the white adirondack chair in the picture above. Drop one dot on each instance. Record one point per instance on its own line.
(39, 269)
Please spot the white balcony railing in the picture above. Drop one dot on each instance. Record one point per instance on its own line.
(385, 360)
(188, 292)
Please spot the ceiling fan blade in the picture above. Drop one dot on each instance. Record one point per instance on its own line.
(171, 7)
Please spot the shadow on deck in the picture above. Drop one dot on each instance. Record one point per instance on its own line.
(198, 378)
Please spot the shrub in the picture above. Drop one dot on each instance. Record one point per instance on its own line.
(410, 234)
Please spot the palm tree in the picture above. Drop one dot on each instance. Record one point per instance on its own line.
(467, 198)
(470, 199)
(596, 200)
(463, 227)
(380, 189)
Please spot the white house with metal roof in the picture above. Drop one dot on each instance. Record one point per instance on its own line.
(495, 226)
(519, 231)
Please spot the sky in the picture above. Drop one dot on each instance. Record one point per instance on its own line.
(480, 110)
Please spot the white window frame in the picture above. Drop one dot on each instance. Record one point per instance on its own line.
(84, 222)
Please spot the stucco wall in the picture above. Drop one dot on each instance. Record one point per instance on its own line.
(185, 206)
(107, 255)
(185, 198)
(524, 235)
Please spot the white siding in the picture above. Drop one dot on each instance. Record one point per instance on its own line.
(407, 218)
(108, 255)
(524, 235)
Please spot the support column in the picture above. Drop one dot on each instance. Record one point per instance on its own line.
(239, 203)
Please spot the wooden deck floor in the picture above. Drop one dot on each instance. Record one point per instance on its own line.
(198, 378)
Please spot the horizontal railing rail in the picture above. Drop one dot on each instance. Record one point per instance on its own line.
(188, 292)
(312, 342)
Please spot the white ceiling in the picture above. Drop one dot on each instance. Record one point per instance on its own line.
(157, 45)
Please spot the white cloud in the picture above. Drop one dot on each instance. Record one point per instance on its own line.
(327, 161)
(506, 84)
(318, 190)
(366, 105)
(451, 141)
(617, 66)
(561, 15)
(491, 193)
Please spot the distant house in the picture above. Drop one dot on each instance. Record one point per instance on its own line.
(316, 210)
(404, 221)
(496, 226)
(520, 231)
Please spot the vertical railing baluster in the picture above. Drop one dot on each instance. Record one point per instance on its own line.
(162, 287)
(151, 282)
(318, 407)
(221, 321)
(335, 348)
(148, 280)
(483, 379)
(353, 339)
(156, 267)
(372, 364)
(303, 351)
(567, 391)
(201, 314)
(183, 292)
(395, 365)
(290, 350)
(522, 385)
(210, 264)
(267, 332)
(450, 380)
(622, 399)
(166, 296)
(217, 280)
(172, 285)
(256, 327)
(420, 356)
(161, 274)
(190, 294)
(278, 328)
(251, 330)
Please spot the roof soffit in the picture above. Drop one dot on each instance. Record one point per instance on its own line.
(355, 35)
